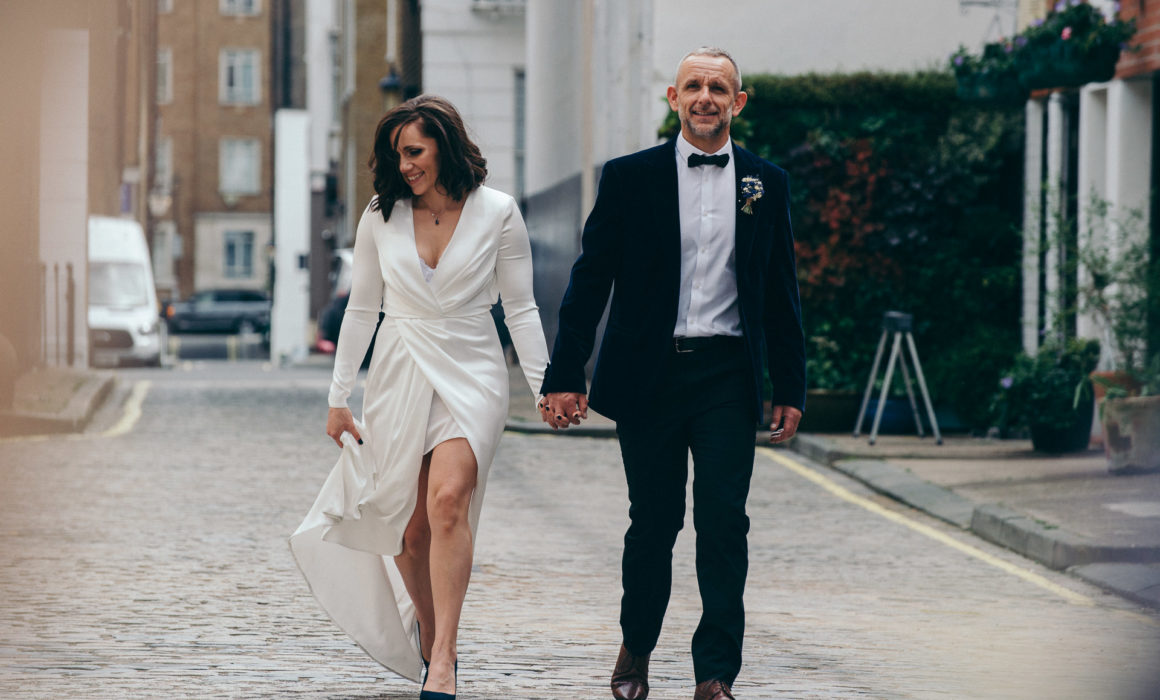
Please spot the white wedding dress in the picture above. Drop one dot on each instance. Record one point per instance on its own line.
(437, 371)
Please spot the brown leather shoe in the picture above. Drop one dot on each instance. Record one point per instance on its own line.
(713, 690)
(630, 677)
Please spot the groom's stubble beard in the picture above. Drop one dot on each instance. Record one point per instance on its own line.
(709, 132)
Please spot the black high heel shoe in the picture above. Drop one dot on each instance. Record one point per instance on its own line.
(432, 695)
(426, 663)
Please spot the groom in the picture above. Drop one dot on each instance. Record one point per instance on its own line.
(695, 235)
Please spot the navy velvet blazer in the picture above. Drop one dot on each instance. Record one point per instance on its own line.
(631, 248)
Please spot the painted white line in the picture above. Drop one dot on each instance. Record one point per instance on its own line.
(941, 537)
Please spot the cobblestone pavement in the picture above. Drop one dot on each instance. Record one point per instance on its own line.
(154, 564)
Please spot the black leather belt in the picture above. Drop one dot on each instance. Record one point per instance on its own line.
(694, 344)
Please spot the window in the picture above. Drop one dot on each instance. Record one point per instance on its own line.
(164, 76)
(163, 164)
(239, 166)
(240, 7)
(240, 73)
(164, 7)
(238, 256)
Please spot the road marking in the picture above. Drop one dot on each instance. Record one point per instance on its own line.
(129, 418)
(132, 411)
(941, 537)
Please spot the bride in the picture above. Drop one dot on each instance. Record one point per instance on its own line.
(387, 547)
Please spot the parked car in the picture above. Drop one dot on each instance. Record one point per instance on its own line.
(122, 311)
(220, 311)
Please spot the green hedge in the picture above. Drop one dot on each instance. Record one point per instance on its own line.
(903, 198)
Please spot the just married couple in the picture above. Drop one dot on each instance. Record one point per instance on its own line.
(692, 240)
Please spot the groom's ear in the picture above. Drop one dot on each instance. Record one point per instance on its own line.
(671, 93)
(739, 102)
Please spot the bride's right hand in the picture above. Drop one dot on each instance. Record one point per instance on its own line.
(339, 421)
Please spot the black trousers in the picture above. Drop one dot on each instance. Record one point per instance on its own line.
(704, 406)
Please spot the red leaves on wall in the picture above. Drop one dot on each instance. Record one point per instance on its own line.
(844, 206)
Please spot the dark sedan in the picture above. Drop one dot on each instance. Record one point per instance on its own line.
(220, 311)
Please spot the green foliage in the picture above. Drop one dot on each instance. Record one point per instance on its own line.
(1046, 390)
(997, 57)
(1120, 286)
(1079, 23)
(902, 198)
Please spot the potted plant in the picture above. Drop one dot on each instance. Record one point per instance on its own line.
(1119, 286)
(990, 77)
(1050, 394)
(1074, 45)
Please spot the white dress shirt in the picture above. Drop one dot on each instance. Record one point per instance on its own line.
(707, 194)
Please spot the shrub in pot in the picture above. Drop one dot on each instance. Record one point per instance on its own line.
(1050, 394)
(1120, 288)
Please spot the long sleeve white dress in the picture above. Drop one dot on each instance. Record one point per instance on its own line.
(437, 371)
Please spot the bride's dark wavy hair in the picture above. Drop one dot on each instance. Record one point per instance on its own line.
(462, 167)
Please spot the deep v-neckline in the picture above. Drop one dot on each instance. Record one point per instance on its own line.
(450, 239)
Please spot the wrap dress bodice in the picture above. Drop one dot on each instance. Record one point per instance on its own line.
(437, 343)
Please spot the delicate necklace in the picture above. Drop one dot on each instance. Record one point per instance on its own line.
(435, 215)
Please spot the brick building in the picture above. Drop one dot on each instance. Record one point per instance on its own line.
(212, 195)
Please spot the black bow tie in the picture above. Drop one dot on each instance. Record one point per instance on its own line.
(699, 159)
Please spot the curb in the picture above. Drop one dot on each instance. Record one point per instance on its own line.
(73, 419)
(1131, 572)
(1051, 546)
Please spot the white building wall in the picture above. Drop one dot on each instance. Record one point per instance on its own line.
(64, 198)
(1093, 181)
(320, 77)
(471, 58)
(553, 78)
(1032, 213)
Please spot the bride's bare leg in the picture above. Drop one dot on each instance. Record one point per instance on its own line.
(450, 484)
(414, 563)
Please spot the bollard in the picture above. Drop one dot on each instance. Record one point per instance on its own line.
(9, 369)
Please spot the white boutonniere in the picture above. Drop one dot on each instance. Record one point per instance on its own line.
(751, 191)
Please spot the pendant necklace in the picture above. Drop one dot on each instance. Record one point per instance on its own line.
(435, 215)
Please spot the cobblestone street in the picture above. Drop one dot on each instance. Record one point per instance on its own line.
(154, 563)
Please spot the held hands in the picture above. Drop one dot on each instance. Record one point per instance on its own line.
(562, 409)
(784, 423)
(339, 421)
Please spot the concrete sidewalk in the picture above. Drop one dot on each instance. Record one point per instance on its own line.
(1066, 512)
(55, 400)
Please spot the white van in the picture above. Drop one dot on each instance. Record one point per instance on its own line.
(124, 316)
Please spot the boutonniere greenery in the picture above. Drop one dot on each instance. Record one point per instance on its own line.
(751, 191)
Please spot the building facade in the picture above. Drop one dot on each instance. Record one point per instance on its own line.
(212, 194)
(1091, 162)
(76, 141)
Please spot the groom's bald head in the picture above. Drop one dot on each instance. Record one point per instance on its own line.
(713, 52)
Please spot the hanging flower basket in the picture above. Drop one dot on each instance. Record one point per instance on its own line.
(1075, 44)
(1066, 65)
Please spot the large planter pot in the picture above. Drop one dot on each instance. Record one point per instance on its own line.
(1053, 439)
(1062, 64)
(1132, 434)
(991, 88)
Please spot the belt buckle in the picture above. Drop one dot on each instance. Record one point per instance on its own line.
(677, 345)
